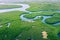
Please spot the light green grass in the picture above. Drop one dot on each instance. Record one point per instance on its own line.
(43, 6)
(54, 19)
(18, 27)
(34, 14)
(9, 6)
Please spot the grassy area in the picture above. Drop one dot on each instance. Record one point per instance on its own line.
(25, 29)
(43, 6)
(54, 19)
(15, 28)
(34, 14)
(9, 6)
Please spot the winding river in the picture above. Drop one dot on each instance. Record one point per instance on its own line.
(23, 8)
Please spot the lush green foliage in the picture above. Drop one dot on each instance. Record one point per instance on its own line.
(34, 14)
(43, 6)
(25, 29)
(54, 19)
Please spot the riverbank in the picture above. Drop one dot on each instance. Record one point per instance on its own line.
(15, 27)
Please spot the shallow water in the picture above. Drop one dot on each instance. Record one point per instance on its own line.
(0, 26)
(8, 24)
(23, 8)
(25, 19)
(58, 34)
(44, 18)
(57, 23)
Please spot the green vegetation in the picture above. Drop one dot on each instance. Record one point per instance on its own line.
(54, 19)
(17, 27)
(43, 6)
(23, 30)
(9, 6)
(34, 14)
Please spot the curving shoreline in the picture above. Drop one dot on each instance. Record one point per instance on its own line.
(23, 8)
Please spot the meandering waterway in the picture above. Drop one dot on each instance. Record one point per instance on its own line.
(23, 8)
